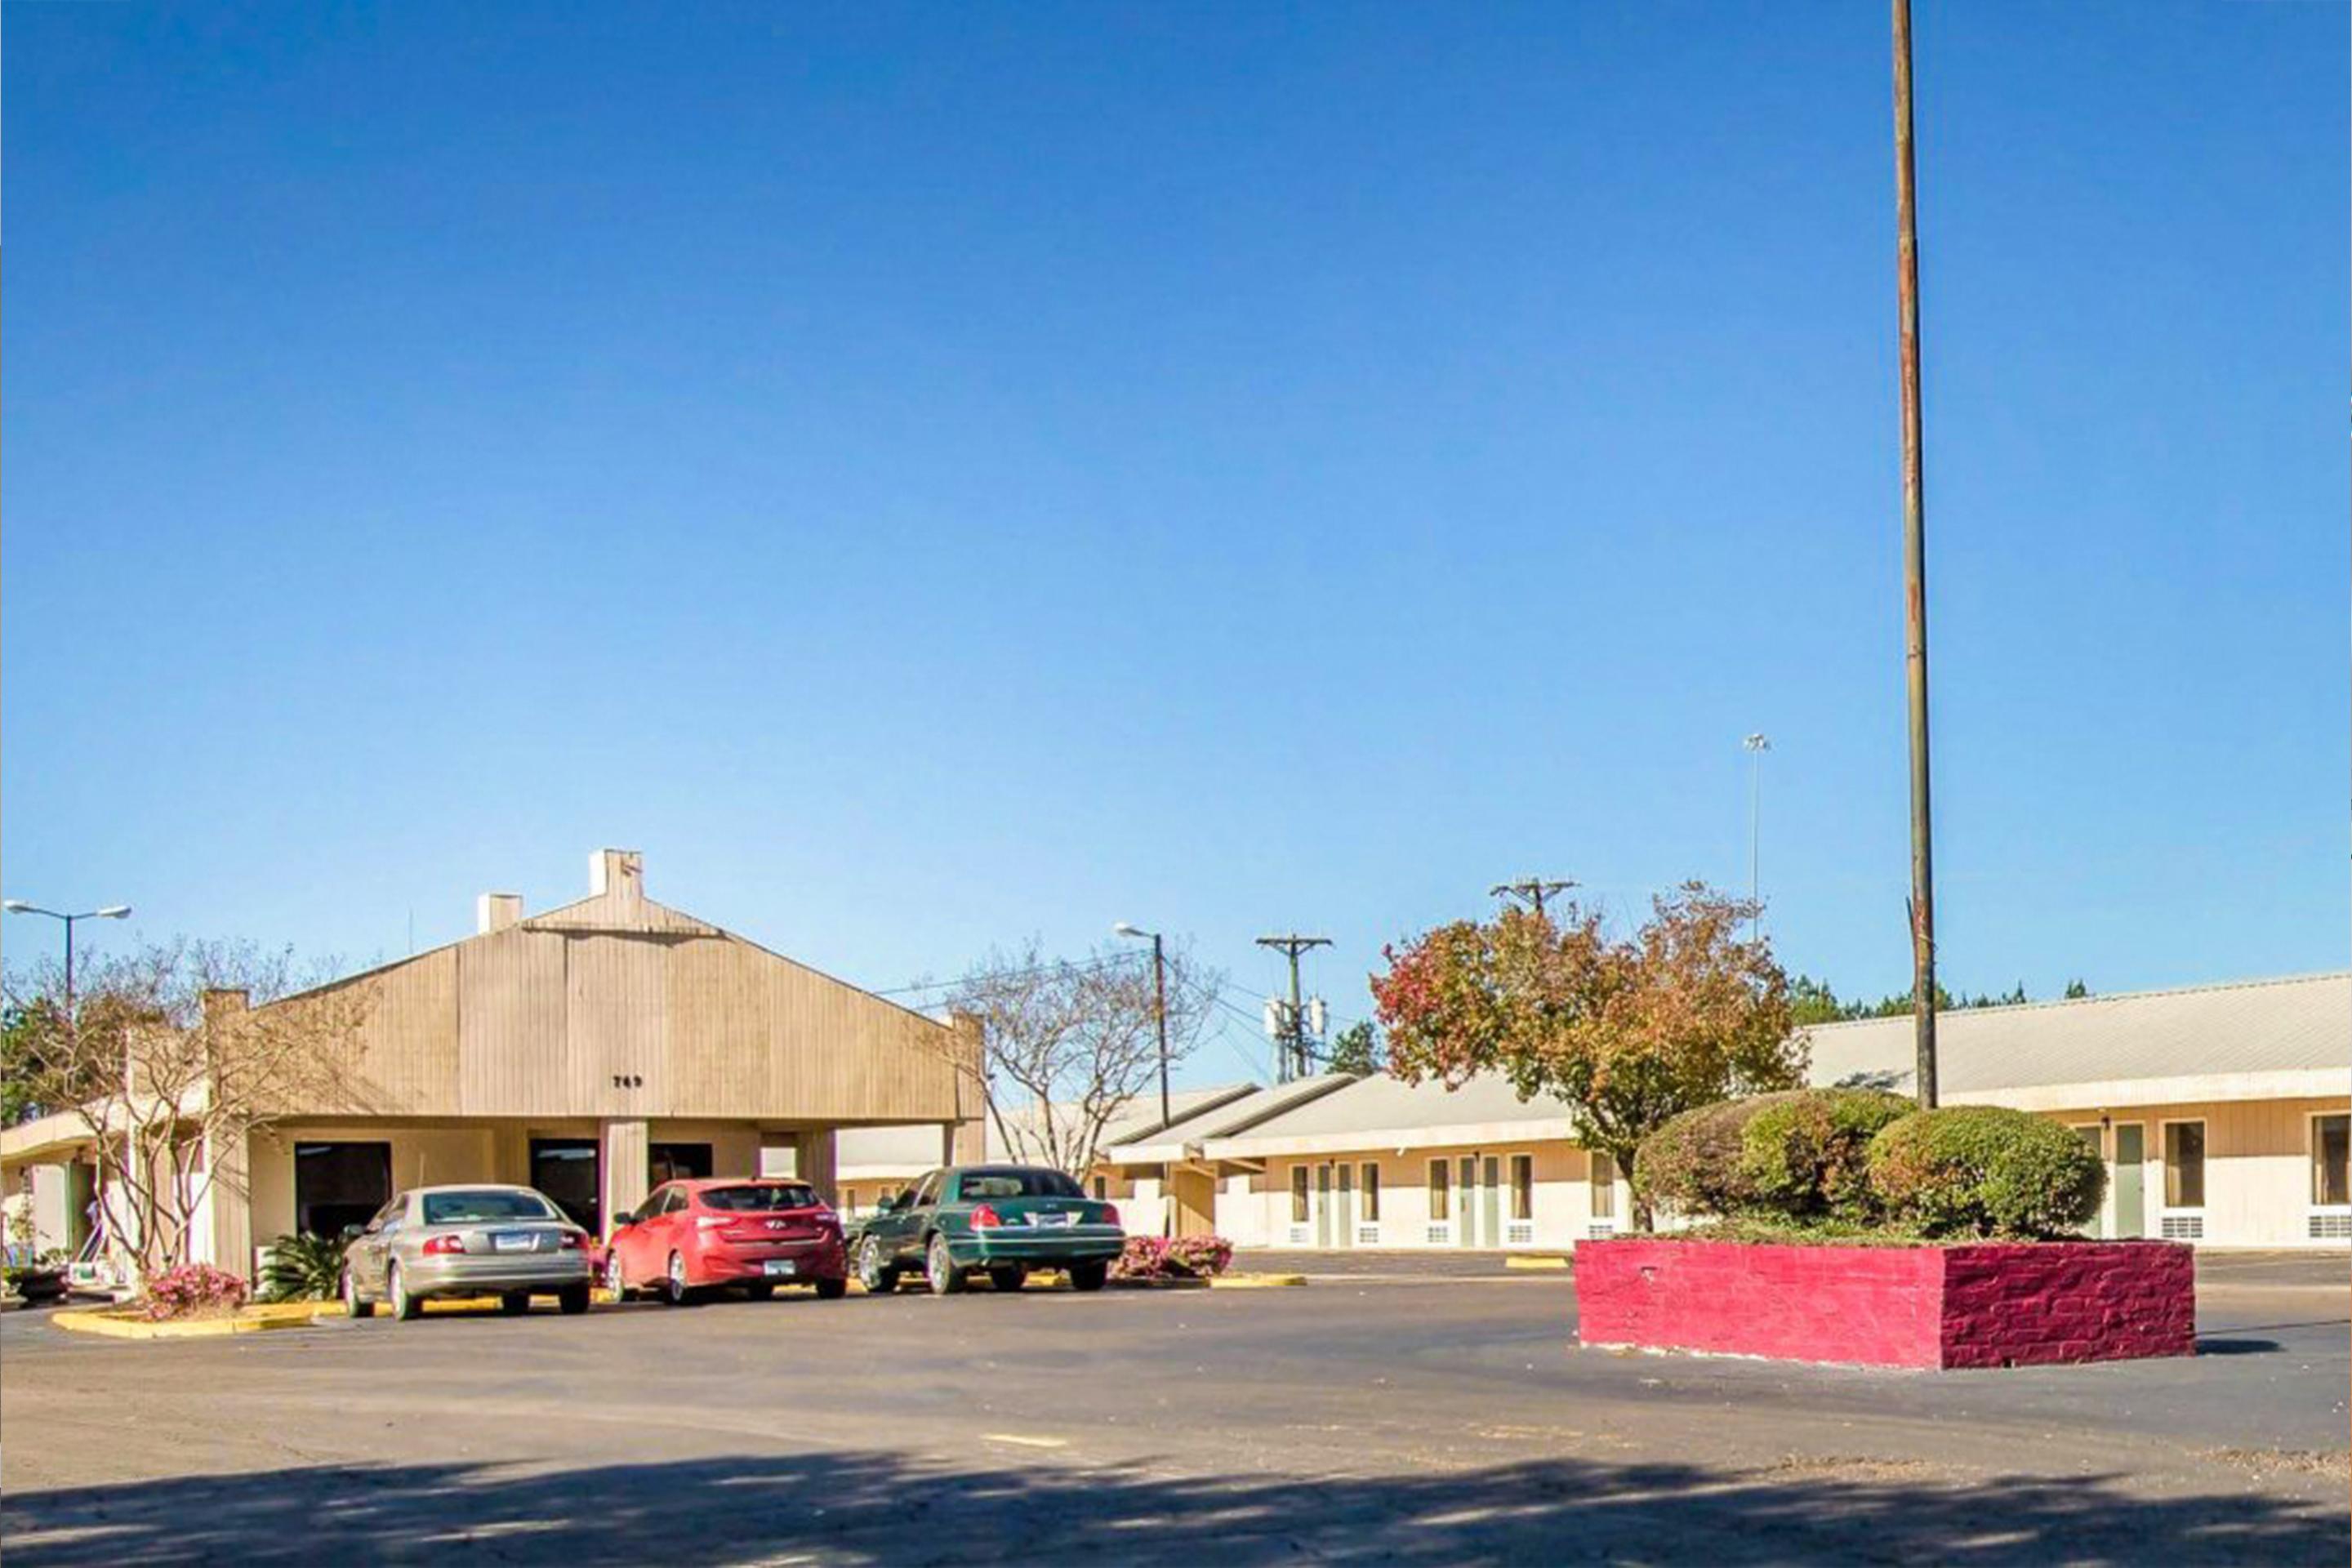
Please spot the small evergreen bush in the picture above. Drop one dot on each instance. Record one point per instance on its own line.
(1806, 1155)
(303, 1267)
(1692, 1164)
(1986, 1170)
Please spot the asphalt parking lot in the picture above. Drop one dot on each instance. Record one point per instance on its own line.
(1399, 1408)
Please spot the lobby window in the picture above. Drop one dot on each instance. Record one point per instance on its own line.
(1441, 1191)
(1298, 1195)
(2184, 1165)
(2331, 1161)
(677, 1162)
(1604, 1186)
(1523, 1186)
(339, 1184)
(1368, 1184)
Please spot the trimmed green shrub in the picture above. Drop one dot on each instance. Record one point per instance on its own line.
(1807, 1155)
(1691, 1163)
(303, 1267)
(1985, 1170)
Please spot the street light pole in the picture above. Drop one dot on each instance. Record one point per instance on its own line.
(1756, 745)
(1915, 568)
(107, 912)
(1158, 1007)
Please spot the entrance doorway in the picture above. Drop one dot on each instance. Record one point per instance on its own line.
(1344, 1229)
(1465, 1177)
(570, 1170)
(338, 1186)
(1323, 1205)
(2130, 1181)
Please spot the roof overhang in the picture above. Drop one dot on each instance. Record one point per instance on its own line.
(46, 1140)
(1543, 1129)
(2299, 1083)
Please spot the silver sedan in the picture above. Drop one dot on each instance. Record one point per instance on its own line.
(475, 1241)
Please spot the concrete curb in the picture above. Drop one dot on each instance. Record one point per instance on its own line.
(115, 1326)
(1256, 1281)
(1536, 1260)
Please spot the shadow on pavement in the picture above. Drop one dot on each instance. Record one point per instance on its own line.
(876, 1508)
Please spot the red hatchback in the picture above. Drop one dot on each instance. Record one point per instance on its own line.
(690, 1237)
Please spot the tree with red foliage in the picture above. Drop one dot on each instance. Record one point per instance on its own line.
(1628, 1030)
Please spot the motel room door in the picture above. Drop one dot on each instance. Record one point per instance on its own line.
(1344, 1228)
(1323, 1205)
(2130, 1179)
(1465, 1201)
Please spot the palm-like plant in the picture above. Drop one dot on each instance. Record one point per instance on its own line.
(302, 1269)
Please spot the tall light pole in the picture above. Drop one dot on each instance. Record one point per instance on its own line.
(1914, 566)
(1159, 1005)
(109, 912)
(1756, 745)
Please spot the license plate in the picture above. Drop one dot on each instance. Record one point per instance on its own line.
(514, 1241)
(774, 1266)
(1049, 1219)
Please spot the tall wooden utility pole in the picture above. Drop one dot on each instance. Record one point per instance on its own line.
(1531, 893)
(1914, 567)
(1291, 945)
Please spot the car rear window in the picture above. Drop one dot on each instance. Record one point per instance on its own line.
(1018, 1183)
(467, 1208)
(759, 1199)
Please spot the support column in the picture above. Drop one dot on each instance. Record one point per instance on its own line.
(230, 1198)
(626, 1159)
(813, 1162)
(964, 1141)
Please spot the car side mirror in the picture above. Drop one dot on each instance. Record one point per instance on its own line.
(351, 1233)
(624, 1223)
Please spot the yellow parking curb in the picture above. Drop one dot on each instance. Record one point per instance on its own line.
(121, 1326)
(1536, 1260)
(1254, 1282)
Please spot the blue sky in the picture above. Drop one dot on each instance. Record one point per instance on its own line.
(932, 475)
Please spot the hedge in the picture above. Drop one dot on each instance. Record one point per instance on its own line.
(1986, 1170)
(1806, 1155)
(1692, 1164)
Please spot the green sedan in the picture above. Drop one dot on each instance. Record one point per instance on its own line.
(1001, 1220)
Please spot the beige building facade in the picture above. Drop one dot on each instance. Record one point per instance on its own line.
(591, 1051)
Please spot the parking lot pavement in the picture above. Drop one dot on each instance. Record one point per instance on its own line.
(1355, 1420)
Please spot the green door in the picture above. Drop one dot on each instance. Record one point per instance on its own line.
(2131, 1179)
(1490, 1198)
(1346, 1226)
(1322, 1206)
(1465, 1178)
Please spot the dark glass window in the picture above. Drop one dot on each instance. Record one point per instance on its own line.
(2331, 1159)
(2184, 1166)
(1015, 1182)
(339, 1184)
(759, 1199)
(570, 1170)
(678, 1162)
(488, 1205)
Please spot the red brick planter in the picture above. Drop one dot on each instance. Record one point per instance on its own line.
(1988, 1304)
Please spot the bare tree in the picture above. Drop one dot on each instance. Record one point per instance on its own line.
(171, 1057)
(1068, 1044)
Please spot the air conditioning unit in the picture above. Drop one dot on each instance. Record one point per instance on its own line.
(1368, 1236)
(1439, 1235)
(1600, 1232)
(2183, 1227)
(1299, 1236)
(2331, 1227)
(1519, 1233)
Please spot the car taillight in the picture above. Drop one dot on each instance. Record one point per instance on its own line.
(442, 1245)
(1110, 1214)
(573, 1240)
(827, 1219)
(984, 1217)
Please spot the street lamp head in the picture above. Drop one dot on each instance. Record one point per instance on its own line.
(1127, 928)
(1758, 742)
(16, 907)
(113, 912)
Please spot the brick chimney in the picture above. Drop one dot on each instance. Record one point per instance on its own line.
(621, 872)
(496, 911)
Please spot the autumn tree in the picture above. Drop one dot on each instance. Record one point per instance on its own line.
(1628, 1030)
(171, 1055)
(1066, 1045)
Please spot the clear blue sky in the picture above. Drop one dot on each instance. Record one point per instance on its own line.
(931, 474)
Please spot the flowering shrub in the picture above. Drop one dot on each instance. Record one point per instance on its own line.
(194, 1290)
(1154, 1257)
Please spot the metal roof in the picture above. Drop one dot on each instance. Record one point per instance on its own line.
(867, 1153)
(1178, 1141)
(2301, 1026)
(1382, 1108)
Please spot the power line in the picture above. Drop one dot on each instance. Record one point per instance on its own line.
(1291, 945)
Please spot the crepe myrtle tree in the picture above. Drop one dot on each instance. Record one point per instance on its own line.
(1067, 1044)
(168, 1060)
(1628, 1029)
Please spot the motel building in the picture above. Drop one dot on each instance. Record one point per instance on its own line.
(2223, 1113)
(592, 1051)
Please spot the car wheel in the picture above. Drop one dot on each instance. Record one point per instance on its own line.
(616, 1279)
(939, 1266)
(1008, 1278)
(571, 1300)
(832, 1290)
(761, 1292)
(354, 1305)
(673, 1287)
(878, 1278)
(404, 1307)
(1088, 1276)
(514, 1303)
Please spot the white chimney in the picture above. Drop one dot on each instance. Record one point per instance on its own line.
(621, 872)
(496, 911)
